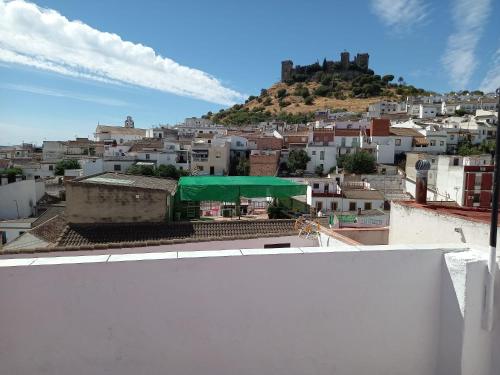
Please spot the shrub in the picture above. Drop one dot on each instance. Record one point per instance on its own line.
(281, 93)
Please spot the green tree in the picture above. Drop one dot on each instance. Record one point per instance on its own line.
(11, 172)
(144, 170)
(62, 165)
(359, 163)
(309, 100)
(297, 160)
(322, 90)
(167, 171)
(243, 167)
(387, 78)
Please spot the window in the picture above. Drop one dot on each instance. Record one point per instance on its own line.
(476, 198)
(441, 143)
(455, 161)
(397, 142)
(315, 186)
(352, 206)
(452, 137)
(121, 140)
(200, 168)
(433, 161)
(117, 167)
(313, 153)
(433, 142)
(147, 157)
(335, 206)
(322, 155)
(51, 167)
(477, 180)
(212, 170)
(368, 205)
(217, 155)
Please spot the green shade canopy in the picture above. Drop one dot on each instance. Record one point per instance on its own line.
(231, 188)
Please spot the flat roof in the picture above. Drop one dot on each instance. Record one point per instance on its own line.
(128, 180)
(472, 214)
(363, 194)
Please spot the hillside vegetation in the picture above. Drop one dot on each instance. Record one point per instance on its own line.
(298, 99)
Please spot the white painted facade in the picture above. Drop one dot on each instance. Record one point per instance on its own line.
(415, 225)
(450, 181)
(18, 199)
(321, 156)
(12, 229)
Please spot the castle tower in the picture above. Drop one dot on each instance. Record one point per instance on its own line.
(362, 60)
(286, 70)
(129, 123)
(344, 60)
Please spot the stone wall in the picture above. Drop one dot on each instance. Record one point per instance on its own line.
(93, 203)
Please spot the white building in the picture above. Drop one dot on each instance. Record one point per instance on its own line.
(19, 199)
(210, 156)
(324, 157)
(118, 134)
(460, 179)
(385, 108)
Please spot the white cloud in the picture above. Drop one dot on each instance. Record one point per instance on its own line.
(492, 79)
(401, 14)
(44, 39)
(62, 94)
(459, 59)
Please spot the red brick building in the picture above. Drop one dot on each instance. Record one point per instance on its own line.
(264, 163)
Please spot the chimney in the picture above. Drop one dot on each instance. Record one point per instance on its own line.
(422, 167)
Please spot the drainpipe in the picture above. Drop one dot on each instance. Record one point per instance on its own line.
(492, 261)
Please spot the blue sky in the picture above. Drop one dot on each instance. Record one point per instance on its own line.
(170, 60)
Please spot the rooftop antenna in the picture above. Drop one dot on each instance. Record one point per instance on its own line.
(492, 261)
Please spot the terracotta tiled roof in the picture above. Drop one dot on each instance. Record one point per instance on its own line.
(140, 234)
(405, 132)
(146, 144)
(50, 230)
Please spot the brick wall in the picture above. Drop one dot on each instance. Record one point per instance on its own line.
(268, 143)
(264, 165)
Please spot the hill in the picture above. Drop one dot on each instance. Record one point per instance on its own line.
(301, 94)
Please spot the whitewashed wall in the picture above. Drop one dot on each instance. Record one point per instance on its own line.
(346, 313)
(23, 192)
(410, 225)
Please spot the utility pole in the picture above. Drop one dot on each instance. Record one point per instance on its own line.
(492, 261)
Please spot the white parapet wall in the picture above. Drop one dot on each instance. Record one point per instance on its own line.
(343, 310)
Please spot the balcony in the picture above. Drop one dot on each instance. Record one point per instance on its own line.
(325, 194)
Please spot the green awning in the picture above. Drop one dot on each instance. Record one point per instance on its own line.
(230, 188)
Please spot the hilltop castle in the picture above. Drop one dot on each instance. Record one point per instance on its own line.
(359, 64)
